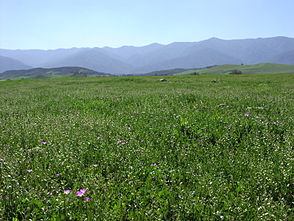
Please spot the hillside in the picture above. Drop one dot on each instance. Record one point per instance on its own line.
(61, 72)
(263, 68)
(7, 63)
(154, 57)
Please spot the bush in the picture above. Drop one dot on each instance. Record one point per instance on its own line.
(235, 72)
(195, 73)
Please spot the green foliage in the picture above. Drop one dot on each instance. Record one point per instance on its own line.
(185, 149)
(263, 68)
(235, 72)
(41, 73)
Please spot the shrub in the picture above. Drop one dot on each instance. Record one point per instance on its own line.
(235, 72)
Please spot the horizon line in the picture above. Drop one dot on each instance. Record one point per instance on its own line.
(139, 46)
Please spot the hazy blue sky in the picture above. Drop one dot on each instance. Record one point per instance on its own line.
(47, 24)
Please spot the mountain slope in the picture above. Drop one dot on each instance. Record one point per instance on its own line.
(194, 58)
(7, 63)
(94, 59)
(130, 59)
(284, 58)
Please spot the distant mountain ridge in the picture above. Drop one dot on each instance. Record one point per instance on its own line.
(154, 57)
(7, 63)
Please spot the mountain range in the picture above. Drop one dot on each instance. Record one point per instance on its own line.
(153, 57)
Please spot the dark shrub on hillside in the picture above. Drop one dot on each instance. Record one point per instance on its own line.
(195, 73)
(79, 75)
(39, 76)
(235, 72)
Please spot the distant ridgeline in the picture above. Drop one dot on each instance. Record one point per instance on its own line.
(40, 73)
(154, 57)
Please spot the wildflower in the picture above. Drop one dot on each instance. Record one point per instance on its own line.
(36, 149)
(228, 127)
(98, 138)
(43, 142)
(87, 198)
(57, 174)
(66, 191)
(271, 122)
(1, 160)
(121, 142)
(164, 156)
(142, 141)
(29, 171)
(246, 114)
(96, 165)
(81, 192)
(178, 116)
(154, 164)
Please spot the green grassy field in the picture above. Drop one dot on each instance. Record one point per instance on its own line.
(263, 68)
(134, 148)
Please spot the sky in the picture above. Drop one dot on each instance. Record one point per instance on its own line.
(51, 24)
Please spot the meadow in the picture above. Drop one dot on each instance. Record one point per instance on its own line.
(216, 147)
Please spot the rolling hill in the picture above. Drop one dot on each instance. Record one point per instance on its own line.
(62, 72)
(262, 68)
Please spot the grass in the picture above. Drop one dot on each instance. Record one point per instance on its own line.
(191, 148)
(263, 68)
(49, 73)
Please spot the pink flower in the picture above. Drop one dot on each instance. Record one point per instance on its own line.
(66, 191)
(83, 190)
(121, 142)
(178, 116)
(87, 198)
(43, 142)
(29, 171)
(79, 193)
(164, 156)
(142, 141)
(96, 165)
(246, 114)
(1, 160)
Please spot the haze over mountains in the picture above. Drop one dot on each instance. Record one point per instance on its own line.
(130, 59)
